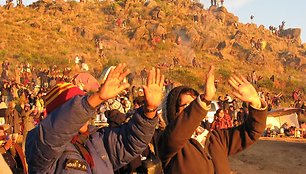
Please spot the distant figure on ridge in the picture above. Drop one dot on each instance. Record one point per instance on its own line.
(222, 2)
(252, 17)
(19, 3)
(213, 2)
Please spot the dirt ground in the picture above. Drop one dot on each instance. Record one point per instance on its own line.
(272, 156)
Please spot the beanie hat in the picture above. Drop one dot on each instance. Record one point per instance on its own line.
(59, 94)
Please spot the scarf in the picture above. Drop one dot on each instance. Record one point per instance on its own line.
(79, 142)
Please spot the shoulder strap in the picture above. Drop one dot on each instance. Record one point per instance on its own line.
(22, 157)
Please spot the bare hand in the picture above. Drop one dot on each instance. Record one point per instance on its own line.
(154, 89)
(210, 89)
(113, 84)
(8, 144)
(244, 90)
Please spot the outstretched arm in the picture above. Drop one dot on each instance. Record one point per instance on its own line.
(48, 140)
(112, 86)
(237, 139)
(128, 141)
(153, 92)
(179, 131)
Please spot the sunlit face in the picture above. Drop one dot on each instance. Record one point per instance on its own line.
(136, 106)
(185, 99)
(221, 114)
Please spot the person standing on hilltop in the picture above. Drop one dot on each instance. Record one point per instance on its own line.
(213, 2)
(19, 3)
(9, 4)
(143, 75)
(252, 17)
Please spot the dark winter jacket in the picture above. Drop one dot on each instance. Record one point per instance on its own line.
(49, 148)
(181, 154)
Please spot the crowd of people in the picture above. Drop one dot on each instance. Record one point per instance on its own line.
(32, 124)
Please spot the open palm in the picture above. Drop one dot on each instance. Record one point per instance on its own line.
(113, 84)
(153, 90)
(244, 90)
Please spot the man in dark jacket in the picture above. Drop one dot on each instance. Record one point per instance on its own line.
(184, 149)
(64, 143)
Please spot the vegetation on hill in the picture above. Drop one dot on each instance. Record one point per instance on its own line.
(151, 34)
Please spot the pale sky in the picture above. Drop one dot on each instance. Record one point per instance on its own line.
(266, 12)
(269, 12)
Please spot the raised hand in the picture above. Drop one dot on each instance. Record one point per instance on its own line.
(210, 89)
(113, 84)
(153, 90)
(244, 90)
(8, 144)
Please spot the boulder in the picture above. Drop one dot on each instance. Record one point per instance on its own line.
(291, 33)
(157, 13)
(223, 9)
(303, 68)
(220, 16)
(35, 24)
(196, 6)
(221, 46)
(150, 4)
(212, 8)
(231, 19)
(140, 32)
(160, 30)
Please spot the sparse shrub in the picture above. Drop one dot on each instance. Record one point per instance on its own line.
(112, 62)
(162, 46)
(72, 3)
(184, 76)
(265, 83)
(64, 52)
(225, 73)
(2, 54)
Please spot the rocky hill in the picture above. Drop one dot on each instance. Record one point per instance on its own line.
(180, 36)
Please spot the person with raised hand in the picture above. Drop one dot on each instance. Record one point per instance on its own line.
(179, 146)
(189, 148)
(64, 142)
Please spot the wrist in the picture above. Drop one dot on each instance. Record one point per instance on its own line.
(206, 100)
(94, 100)
(256, 103)
(149, 109)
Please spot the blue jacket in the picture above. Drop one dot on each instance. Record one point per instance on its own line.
(48, 146)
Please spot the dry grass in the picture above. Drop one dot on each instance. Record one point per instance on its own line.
(55, 37)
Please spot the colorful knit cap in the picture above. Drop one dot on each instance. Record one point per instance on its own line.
(59, 94)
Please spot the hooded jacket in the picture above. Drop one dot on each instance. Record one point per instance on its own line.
(181, 154)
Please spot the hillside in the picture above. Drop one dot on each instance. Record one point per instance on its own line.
(147, 34)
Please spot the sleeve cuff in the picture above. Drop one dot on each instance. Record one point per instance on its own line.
(87, 105)
(203, 104)
(263, 106)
